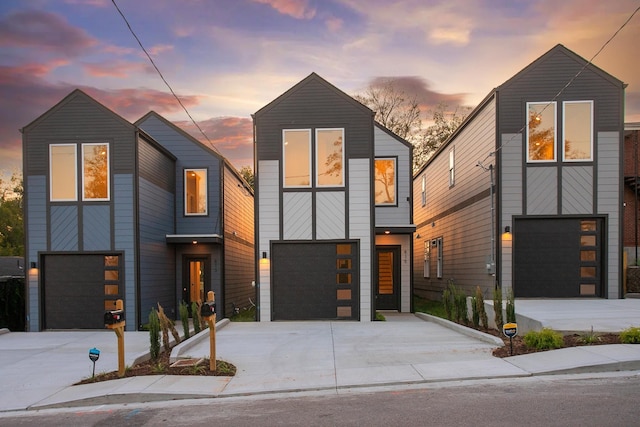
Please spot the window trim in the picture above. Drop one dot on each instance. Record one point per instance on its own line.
(284, 158)
(452, 167)
(206, 191)
(97, 199)
(555, 131)
(564, 131)
(315, 173)
(440, 257)
(75, 173)
(394, 159)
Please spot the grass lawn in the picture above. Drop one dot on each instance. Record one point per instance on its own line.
(434, 308)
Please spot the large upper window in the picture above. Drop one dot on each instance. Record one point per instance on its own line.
(541, 131)
(63, 172)
(385, 181)
(95, 166)
(578, 131)
(297, 157)
(329, 157)
(195, 191)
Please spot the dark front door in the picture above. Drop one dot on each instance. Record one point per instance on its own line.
(388, 278)
(195, 283)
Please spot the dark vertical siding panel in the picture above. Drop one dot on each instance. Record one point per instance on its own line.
(124, 235)
(156, 167)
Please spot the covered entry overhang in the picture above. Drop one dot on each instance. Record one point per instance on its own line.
(392, 283)
(395, 229)
(193, 238)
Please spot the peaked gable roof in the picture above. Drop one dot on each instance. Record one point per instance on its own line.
(551, 54)
(313, 77)
(75, 95)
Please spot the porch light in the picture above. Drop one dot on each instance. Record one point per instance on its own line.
(507, 229)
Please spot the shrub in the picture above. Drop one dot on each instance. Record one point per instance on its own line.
(184, 317)
(447, 301)
(461, 307)
(497, 306)
(482, 313)
(154, 334)
(195, 315)
(589, 337)
(511, 308)
(545, 339)
(475, 316)
(630, 335)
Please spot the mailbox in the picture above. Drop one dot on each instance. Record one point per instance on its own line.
(112, 317)
(208, 309)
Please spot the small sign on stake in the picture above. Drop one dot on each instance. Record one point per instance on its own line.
(94, 354)
(510, 330)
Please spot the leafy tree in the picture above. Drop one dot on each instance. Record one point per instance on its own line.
(247, 174)
(444, 124)
(11, 217)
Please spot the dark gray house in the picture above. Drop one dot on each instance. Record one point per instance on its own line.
(108, 210)
(333, 208)
(527, 193)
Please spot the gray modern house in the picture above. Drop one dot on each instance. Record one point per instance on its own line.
(527, 193)
(333, 208)
(113, 213)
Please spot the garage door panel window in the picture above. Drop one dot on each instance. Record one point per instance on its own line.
(111, 281)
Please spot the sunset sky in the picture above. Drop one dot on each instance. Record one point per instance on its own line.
(226, 59)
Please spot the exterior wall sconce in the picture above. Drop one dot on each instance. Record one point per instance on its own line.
(264, 255)
(418, 236)
(507, 229)
(33, 264)
(195, 242)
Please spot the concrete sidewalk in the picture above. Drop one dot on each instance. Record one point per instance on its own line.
(273, 357)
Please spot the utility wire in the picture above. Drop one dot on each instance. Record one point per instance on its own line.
(162, 77)
(565, 86)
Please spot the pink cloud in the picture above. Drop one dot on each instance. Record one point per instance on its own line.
(35, 29)
(421, 88)
(298, 9)
(119, 69)
(160, 48)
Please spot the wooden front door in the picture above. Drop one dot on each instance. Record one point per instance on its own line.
(388, 278)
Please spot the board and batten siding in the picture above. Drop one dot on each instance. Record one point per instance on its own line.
(388, 146)
(461, 214)
(239, 254)
(36, 231)
(268, 180)
(125, 236)
(360, 227)
(608, 188)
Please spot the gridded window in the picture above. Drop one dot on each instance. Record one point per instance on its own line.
(195, 191)
(541, 131)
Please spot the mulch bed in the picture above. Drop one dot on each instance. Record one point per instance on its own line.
(161, 367)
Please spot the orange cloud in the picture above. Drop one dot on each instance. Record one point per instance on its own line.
(298, 9)
(119, 69)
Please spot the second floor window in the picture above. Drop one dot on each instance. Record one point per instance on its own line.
(95, 166)
(423, 193)
(298, 149)
(541, 131)
(329, 157)
(385, 181)
(452, 167)
(63, 172)
(195, 191)
(578, 131)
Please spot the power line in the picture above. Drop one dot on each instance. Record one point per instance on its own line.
(565, 86)
(162, 77)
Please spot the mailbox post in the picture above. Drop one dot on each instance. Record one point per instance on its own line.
(114, 319)
(208, 313)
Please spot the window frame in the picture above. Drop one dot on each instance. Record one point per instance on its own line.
(555, 131)
(452, 167)
(108, 172)
(75, 173)
(564, 131)
(423, 193)
(284, 158)
(317, 158)
(206, 191)
(440, 257)
(426, 267)
(395, 180)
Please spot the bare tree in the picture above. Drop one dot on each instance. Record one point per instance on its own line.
(395, 109)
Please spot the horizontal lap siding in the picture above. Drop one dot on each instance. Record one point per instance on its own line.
(269, 227)
(125, 233)
(239, 255)
(387, 146)
(360, 227)
(36, 232)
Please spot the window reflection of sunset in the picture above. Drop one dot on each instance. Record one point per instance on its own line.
(330, 156)
(578, 130)
(297, 157)
(96, 171)
(541, 131)
(63, 172)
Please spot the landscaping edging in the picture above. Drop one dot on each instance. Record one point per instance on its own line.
(178, 351)
(470, 332)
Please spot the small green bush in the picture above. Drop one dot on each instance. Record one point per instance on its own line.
(461, 307)
(195, 314)
(447, 301)
(380, 317)
(589, 337)
(497, 306)
(630, 335)
(184, 317)
(475, 316)
(545, 339)
(154, 334)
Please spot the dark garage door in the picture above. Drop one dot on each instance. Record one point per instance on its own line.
(74, 288)
(558, 257)
(314, 281)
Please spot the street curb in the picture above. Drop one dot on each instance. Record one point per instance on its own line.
(470, 332)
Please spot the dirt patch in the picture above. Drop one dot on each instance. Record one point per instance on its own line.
(162, 367)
